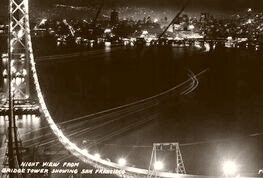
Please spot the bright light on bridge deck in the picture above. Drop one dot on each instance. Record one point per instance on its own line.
(122, 161)
(97, 155)
(158, 165)
(229, 168)
(85, 151)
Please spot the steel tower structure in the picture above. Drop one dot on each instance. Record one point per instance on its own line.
(179, 169)
(17, 81)
(16, 63)
(18, 53)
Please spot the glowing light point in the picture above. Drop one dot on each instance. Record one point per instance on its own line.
(249, 21)
(158, 165)
(144, 32)
(20, 34)
(24, 72)
(229, 38)
(107, 44)
(85, 151)
(249, 10)
(229, 168)
(122, 162)
(191, 27)
(107, 30)
(43, 22)
(97, 156)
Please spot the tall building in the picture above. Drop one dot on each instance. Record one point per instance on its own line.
(114, 17)
(205, 17)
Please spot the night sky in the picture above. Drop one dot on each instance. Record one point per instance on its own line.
(195, 6)
(221, 5)
(215, 7)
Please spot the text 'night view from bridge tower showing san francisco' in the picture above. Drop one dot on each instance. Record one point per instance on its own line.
(131, 88)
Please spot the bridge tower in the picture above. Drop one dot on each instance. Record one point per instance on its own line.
(154, 167)
(16, 77)
(174, 19)
(18, 52)
(17, 61)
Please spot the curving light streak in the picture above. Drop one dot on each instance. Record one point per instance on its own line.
(189, 87)
(194, 83)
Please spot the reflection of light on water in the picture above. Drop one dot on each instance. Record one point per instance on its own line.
(197, 44)
(207, 47)
(23, 122)
(3, 124)
(2, 120)
(126, 42)
(91, 43)
(25, 125)
(229, 44)
(107, 46)
(24, 117)
(28, 122)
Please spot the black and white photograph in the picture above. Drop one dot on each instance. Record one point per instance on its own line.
(131, 88)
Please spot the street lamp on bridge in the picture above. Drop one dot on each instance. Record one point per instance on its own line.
(229, 168)
(158, 165)
(122, 162)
